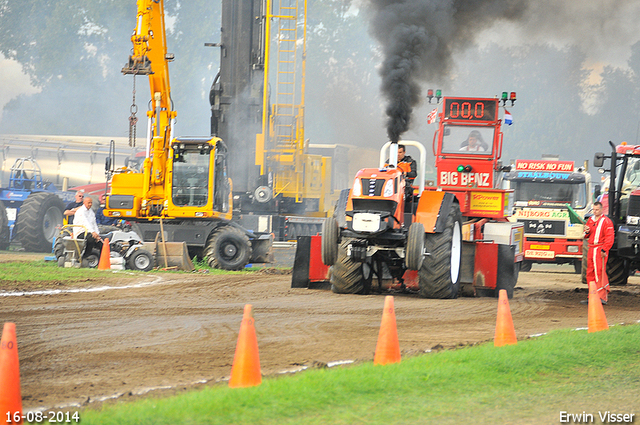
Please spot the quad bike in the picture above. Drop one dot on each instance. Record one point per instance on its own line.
(70, 252)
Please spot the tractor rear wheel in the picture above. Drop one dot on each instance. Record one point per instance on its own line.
(577, 267)
(227, 248)
(415, 246)
(346, 275)
(39, 216)
(617, 270)
(439, 276)
(585, 253)
(4, 228)
(329, 242)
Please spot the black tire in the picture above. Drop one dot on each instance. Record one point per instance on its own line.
(227, 248)
(91, 260)
(346, 275)
(61, 261)
(141, 260)
(525, 266)
(58, 247)
(415, 247)
(439, 276)
(617, 270)
(585, 252)
(329, 242)
(577, 267)
(38, 219)
(4, 228)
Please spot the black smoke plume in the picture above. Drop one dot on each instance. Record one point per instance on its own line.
(418, 39)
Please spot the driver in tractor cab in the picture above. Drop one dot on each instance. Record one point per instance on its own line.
(408, 166)
(474, 143)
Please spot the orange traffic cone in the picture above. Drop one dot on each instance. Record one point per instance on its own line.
(388, 348)
(596, 317)
(505, 333)
(245, 371)
(10, 398)
(105, 256)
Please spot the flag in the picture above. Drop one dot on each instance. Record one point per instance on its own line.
(574, 218)
(431, 118)
(507, 117)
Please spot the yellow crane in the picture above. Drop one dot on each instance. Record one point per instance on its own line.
(183, 188)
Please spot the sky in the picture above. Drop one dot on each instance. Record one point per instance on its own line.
(14, 81)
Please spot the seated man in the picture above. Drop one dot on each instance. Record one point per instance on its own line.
(86, 226)
(474, 143)
(408, 166)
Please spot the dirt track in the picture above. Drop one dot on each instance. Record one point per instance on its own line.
(167, 332)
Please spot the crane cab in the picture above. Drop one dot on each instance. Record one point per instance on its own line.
(196, 184)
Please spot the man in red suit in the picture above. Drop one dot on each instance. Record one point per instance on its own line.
(599, 230)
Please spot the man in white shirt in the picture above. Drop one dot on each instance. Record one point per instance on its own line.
(85, 221)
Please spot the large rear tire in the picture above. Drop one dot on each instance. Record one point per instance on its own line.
(439, 276)
(577, 267)
(617, 270)
(4, 228)
(329, 242)
(415, 246)
(585, 252)
(346, 274)
(227, 248)
(39, 217)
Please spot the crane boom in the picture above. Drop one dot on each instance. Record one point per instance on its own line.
(150, 58)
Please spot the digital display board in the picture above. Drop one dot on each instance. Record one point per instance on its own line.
(470, 109)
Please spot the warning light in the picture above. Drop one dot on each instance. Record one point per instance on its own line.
(464, 168)
(504, 96)
(512, 97)
(430, 94)
(438, 94)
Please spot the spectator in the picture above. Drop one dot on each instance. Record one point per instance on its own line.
(100, 217)
(85, 226)
(72, 207)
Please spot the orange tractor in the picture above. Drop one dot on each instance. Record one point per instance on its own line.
(440, 240)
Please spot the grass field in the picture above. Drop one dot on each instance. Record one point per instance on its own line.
(41, 274)
(533, 382)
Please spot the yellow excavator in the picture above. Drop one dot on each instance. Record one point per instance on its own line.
(182, 191)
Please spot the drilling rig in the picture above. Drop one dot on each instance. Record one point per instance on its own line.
(257, 107)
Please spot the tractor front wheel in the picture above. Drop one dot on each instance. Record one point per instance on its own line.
(329, 243)
(415, 247)
(346, 275)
